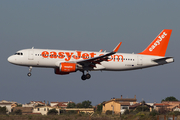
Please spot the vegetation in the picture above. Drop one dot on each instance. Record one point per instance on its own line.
(18, 112)
(142, 108)
(84, 104)
(99, 108)
(171, 98)
(3, 110)
(52, 112)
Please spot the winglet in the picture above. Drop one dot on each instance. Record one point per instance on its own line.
(117, 47)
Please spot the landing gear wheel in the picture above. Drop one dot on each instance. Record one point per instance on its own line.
(30, 69)
(88, 76)
(29, 74)
(83, 77)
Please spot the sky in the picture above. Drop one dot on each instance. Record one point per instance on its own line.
(87, 25)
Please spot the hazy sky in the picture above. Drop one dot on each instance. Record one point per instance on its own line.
(88, 25)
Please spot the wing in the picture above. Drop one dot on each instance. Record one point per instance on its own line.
(97, 60)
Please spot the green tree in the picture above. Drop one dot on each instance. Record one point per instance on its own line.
(3, 110)
(86, 104)
(142, 108)
(52, 112)
(126, 112)
(171, 98)
(79, 105)
(153, 113)
(99, 107)
(18, 112)
(71, 105)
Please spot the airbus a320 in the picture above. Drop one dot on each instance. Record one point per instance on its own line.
(67, 61)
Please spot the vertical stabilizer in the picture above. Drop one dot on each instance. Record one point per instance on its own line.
(159, 45)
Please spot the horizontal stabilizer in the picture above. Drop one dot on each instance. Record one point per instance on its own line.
(165, 60)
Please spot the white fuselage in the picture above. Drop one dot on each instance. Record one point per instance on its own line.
(116, 62)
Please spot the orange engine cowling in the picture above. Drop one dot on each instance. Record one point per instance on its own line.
(67, 67)
(56, 71)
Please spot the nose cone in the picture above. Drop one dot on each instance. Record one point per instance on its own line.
(10, 59)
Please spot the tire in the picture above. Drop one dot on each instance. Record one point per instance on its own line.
(29, 74)
(88, 76)
(83, 77)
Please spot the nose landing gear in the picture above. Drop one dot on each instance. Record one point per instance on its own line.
(30, 69)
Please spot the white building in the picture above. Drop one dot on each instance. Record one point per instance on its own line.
(7, 105)
(44, 109)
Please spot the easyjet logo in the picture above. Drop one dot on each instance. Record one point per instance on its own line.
(158, 41)
(68, 67)
(67, 56)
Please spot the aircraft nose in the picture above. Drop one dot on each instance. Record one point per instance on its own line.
(10, 59)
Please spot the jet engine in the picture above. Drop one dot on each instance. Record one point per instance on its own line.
(65, 68)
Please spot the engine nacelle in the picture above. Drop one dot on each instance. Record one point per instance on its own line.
(56, 71)
(67, 67)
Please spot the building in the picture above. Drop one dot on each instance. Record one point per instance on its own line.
(158, 106)
(79, 110)
(8, 104)
(34, 104)
(62, 105)
(133, 107)
(25, 110)
(172, 104)
(44, 109)
(118, 105)
(176, 109)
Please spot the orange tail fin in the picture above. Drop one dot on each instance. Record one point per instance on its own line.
(159, 45)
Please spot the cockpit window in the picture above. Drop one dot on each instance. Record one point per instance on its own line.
(18, 53)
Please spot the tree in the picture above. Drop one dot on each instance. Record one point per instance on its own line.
(99, 107)
(153, 113)
(86, 104)
(52, 112)
(126, 112)
(79, 105)
(142, 108)
(3, 110)
(171, 98)
(71, 105)
(18, 112)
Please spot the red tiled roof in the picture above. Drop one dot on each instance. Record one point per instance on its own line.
(61, 104)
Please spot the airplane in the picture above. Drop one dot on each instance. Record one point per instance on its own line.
(67, 61)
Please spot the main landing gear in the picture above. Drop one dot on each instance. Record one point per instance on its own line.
(30, 69)
(85, 76)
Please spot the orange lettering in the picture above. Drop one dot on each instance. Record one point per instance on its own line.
(53, 54)
(68, 56)
(110, 58)
(78, 55)
(45, 54)
(85, 55)
(61, 55)
(118, 57)
(92, 54)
